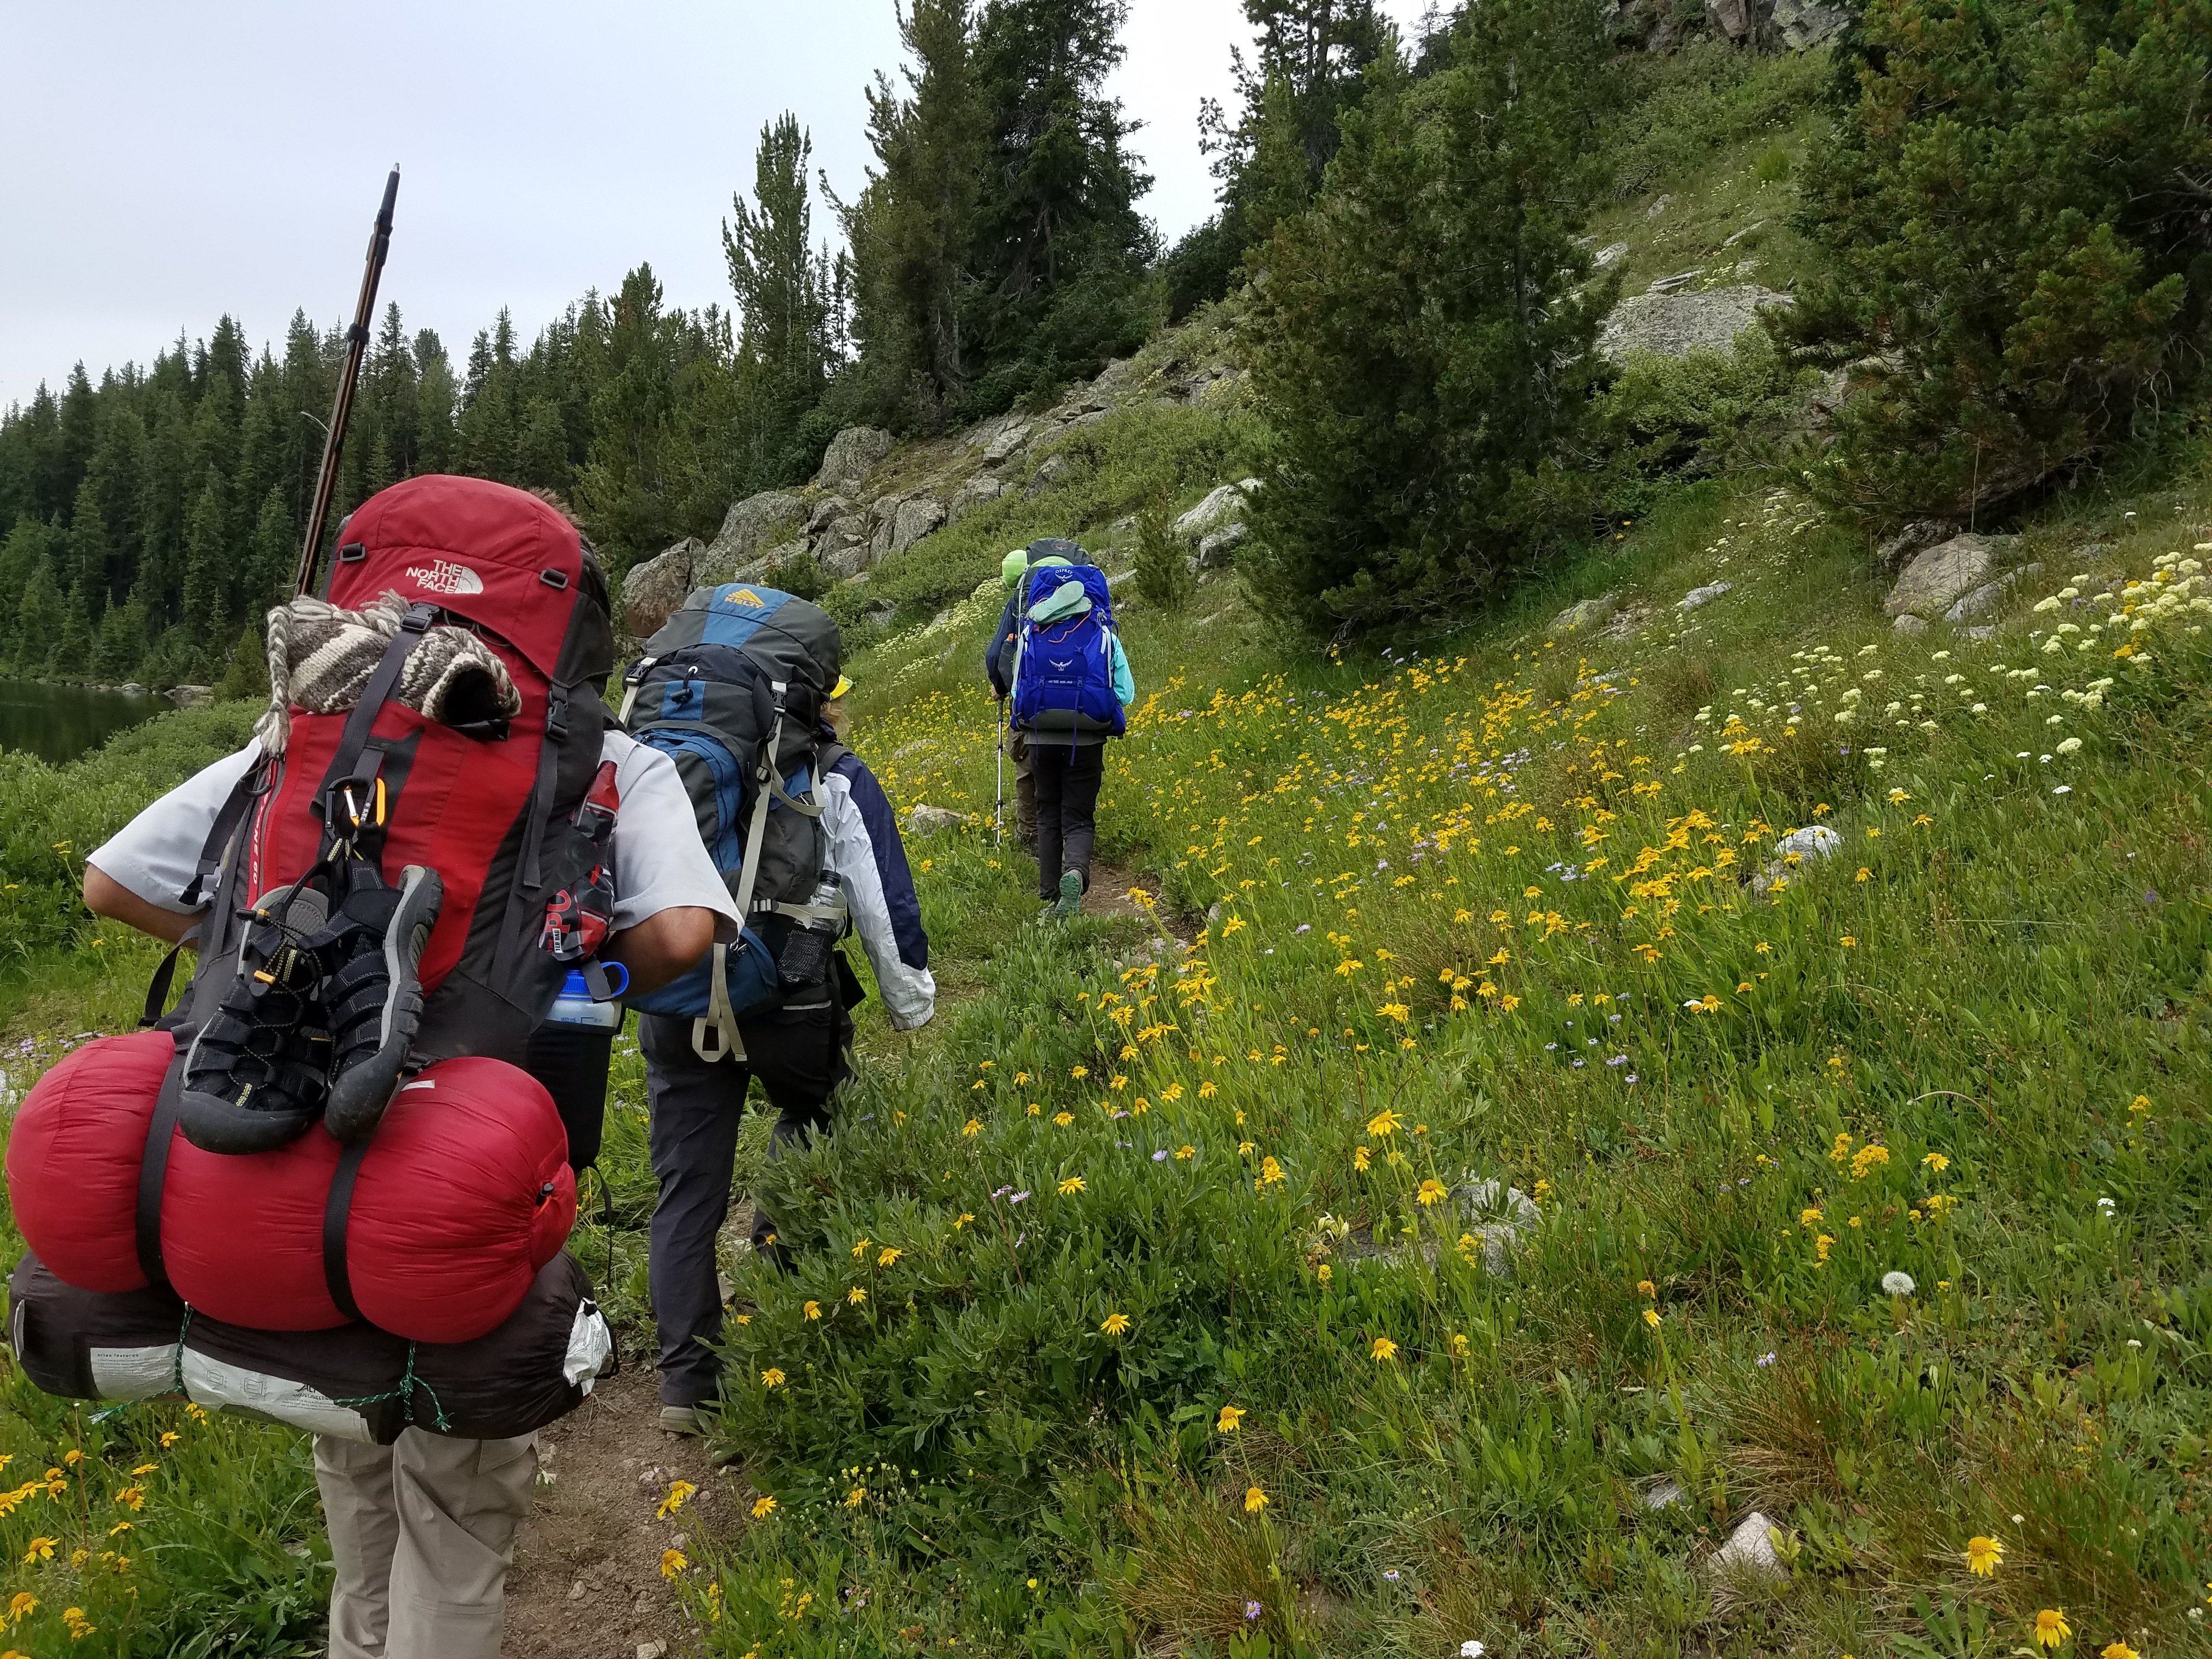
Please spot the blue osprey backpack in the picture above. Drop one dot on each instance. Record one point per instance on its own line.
(1064, 671)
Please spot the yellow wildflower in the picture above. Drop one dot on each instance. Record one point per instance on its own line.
(1984, 1555)
(2051, 1628)
(1231, 1416)
(1114, 1323)
(678, 1495)
(1383, 1349)
(763, 1507)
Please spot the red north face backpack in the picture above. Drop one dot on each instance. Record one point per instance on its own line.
(439, 864)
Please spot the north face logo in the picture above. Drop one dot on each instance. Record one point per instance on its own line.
(446, 577)
(746, 596)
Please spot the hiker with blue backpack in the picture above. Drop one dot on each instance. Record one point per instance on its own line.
(1070, 688)
(741, 688)
(999, 667)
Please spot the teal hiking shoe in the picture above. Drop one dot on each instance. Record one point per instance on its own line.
(1071, 894)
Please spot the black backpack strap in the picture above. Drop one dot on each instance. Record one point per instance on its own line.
(153, 1168)
(337, 1211)
(541, 797)
(157, 989)
(247, 790)
(354, 743)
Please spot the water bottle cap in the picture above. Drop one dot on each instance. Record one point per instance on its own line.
(574, 986)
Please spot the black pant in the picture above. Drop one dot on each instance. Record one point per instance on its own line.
(1067, 779)
(800, 1056)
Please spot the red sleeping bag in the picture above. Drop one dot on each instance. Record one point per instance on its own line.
(465, 1193)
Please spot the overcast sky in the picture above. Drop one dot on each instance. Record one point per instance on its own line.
(173, 162)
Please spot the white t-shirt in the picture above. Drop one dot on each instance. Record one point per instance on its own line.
(657, 860)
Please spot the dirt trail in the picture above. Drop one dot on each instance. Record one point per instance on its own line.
(586, 1582)
(1110, 886)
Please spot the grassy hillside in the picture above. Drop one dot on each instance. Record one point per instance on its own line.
(1530, 1177)
(1489, 916)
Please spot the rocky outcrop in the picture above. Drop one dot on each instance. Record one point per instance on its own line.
(916, 517)
(1944, 574)
(1055, 470)
(1806, 23)
(972, 495)
(1006, 443)
(652, 591)
(925, 820)
(749, 530)
(853, 454)
(1216, 548)
(1990, 595)
(1735, 19)
(1916, 537)
(1675, 324)
(1220, 506)
(1588, 613)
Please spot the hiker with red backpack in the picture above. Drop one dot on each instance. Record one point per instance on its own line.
(1070, 689)
(435, 825)
(741, 687)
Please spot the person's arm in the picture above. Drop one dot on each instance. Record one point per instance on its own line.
(671, 904)
(104, 896)
(138, 876)
(662, 946)
(995, 656)
(870, 859)
(1125, 682)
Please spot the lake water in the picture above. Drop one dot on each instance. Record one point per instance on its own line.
(59, 723)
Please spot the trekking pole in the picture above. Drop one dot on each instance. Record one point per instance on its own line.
(998, 742)
(327, 478)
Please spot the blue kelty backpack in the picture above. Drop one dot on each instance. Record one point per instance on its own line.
(1064, 671)
(731, 688)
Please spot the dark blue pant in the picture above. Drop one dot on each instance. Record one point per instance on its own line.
(800, 1056)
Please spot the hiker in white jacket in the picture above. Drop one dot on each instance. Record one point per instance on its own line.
(800, 1051)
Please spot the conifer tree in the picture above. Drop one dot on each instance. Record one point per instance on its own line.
(86, 561)
(38, 619)
(1061, 248)
(911, 229)
(121, 642)
(2014, 214)
(1425, 349)
(272, 556)
(783, 286)
(1309, 68)
(623, 491)
(72, 652)
(206, 612)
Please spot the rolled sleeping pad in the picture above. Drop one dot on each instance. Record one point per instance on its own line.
(356, 1381)
(464, 1194)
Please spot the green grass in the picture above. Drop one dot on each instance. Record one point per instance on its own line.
(1994, 993)
(1970, 1047)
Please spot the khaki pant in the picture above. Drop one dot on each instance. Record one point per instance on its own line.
(1018, 750)
(422, 1534)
